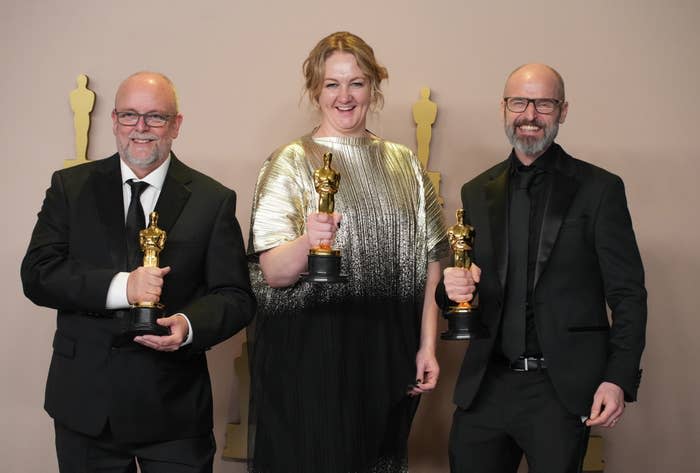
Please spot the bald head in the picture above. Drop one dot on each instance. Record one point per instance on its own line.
(537, 73)
(153, 83)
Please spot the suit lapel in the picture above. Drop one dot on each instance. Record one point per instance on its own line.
(109, 200)
(174, 194)
(563, 189)
(497, 199)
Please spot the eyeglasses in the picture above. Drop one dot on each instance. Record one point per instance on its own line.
(520, 104)
(155, 120)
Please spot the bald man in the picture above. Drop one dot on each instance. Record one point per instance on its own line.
(118, 399)
(554, 244)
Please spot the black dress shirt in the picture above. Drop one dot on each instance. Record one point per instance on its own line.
(538, 191)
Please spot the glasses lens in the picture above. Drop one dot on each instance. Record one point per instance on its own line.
(545, 105)
(154, 119)
(516, 104)
(128, 118)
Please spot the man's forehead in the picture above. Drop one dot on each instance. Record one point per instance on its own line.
(532, 82)
(145, 95)
(536, 78)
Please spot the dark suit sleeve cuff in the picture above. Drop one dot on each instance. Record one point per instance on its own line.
(441, 296)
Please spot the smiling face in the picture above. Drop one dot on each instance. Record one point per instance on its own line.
(531, 132)
(345, 97)
(143, 148)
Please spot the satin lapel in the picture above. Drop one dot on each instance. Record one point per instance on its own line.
(109, 200)
(564, 187)
(174, 194)
(497, 199)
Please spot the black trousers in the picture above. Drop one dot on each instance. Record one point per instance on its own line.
(78, 453)
(516, 413)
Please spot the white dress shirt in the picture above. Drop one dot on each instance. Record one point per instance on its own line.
(116, 295)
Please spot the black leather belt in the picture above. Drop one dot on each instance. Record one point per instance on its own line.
(528, 364)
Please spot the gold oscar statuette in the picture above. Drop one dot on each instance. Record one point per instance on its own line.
(144, 314)
(464, 318)
(324, 261)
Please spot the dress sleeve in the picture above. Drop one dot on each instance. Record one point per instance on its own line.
(281, 199)
(435, 223)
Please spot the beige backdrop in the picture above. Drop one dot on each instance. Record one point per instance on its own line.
(631, 72)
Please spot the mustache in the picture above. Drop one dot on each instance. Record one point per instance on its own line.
(135, 135)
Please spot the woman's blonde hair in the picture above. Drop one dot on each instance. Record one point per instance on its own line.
(314, 67)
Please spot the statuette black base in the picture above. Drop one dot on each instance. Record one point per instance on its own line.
(324, 269)
(464, 323)
(143, 321)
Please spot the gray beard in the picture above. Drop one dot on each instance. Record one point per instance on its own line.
(532, 147)
(141, 163)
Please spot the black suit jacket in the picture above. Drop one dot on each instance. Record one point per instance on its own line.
(77, 247)
(587, 256)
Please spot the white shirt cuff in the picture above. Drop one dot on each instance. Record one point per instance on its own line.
(188, 340)
(116, 295)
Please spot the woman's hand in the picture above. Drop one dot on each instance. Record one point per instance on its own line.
(321, 228)
(427, 372)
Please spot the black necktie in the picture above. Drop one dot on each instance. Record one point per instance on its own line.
(135, 222)
(513, 330)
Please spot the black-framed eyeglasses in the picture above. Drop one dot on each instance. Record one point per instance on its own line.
(519, 104)
(130, 118)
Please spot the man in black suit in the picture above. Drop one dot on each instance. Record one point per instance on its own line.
(117, 400)
(554, 243)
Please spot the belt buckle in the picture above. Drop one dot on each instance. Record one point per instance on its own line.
(526, 362)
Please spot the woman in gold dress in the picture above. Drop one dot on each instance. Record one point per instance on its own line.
(337, 368)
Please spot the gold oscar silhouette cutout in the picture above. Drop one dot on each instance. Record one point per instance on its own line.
(236, 447)
(424, 114)
(144, 314)
(82, 101)
(324, 261)
(463, 319)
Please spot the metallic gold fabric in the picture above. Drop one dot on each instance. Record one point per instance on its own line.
(392, 224)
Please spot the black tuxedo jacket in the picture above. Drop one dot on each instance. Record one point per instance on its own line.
(77, 247)
(587, 256)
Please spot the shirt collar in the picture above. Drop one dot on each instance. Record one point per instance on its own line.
(155, 178)
(543, 163)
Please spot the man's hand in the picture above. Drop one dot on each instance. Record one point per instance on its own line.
(460, 283)
(179, 329)
(608, 405)
(145, 284)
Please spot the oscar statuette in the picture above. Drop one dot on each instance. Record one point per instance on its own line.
(143, 315)
(324, 261)
(463, 319)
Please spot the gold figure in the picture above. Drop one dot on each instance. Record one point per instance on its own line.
(152, 241)
(326, 181)
(82, 101)
(461, 238)
(424, 114)
(236, 446)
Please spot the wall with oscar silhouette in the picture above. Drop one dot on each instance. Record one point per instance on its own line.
(631, 73)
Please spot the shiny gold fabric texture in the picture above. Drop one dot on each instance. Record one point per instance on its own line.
(392, 224)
